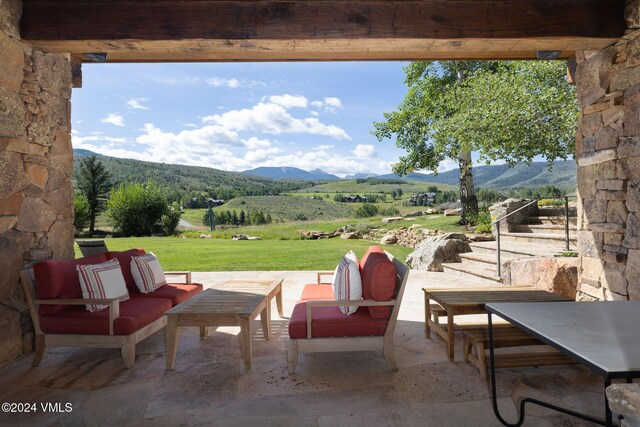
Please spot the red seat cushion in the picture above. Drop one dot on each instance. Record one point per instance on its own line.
(330, 322)
(125, 263)
(317, 292)
(58, 278)
(378, 275)
(176, 292)
(135, 313)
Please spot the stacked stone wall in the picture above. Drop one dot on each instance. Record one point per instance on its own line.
(36, 164)
(608, 155)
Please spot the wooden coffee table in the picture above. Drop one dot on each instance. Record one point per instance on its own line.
(269, 288)
(235, 303)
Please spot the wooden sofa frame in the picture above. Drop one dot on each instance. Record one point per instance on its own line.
(126, 343)
(382, 343)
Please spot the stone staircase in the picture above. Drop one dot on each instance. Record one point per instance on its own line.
(542, 236)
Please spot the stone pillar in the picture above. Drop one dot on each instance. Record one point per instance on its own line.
(36, 166)
(608, 156)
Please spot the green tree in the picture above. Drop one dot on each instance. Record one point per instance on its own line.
(170, 220)
(81, 212)
(136, 209)
(502, 110)
(242, 218)
(367, 210)
(93, 181)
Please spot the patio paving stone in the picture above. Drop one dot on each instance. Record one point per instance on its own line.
(210, 386)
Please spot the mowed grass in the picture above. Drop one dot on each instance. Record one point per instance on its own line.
(289, 230)
(177, 253)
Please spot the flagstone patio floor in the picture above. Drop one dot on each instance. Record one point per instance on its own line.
(210, 386)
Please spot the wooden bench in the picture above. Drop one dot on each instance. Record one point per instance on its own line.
(508, 336)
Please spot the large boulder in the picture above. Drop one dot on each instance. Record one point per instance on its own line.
(433, 251)
(558, 275)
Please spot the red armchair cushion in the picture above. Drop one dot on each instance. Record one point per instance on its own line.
(134, 314)
(176, 293)
(378, 280)
(124, 257)
(330, 322)
(317, 292)
(58, 278)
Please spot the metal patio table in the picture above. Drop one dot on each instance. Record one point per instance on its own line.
(603, 336)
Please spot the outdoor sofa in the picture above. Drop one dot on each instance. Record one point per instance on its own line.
(60, 317)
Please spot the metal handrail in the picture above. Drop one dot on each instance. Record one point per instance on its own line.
(566, 224)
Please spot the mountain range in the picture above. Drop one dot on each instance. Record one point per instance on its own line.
(265, 180)
(536, 174)
(290, 173)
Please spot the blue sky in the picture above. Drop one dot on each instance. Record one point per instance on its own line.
(238, 116)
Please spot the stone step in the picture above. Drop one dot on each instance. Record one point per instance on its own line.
(468, 268)
(559, 220)
(557, 211)
(537, 238)
(482, 259)
(545, 229)
(516, 250)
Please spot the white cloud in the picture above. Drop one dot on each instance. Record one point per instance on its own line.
(447, 165)
(325, 147)
(136, 104)
(114, 119)
(255, 142)
(315, 113)
(288, 101)
(329, 103)
(364, 151)
(232, 83)
(273, 119)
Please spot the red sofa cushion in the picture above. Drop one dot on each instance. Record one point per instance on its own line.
(135, 313)
(378, 280)
(125, 263)
(58, 278)
(317, 292)
(330, 322)
(175, 292)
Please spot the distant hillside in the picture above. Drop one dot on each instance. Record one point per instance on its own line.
(181, 179)
(291, 207)
(290, 173)
(536, 174)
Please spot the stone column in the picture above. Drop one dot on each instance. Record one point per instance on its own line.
(36, 166)
(608, 156)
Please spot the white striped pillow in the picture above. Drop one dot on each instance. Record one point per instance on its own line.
(347, 284)
(147, 273)
(104, 280)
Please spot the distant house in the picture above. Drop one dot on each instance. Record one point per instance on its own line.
(355, 199)
(214, 202)
(422, 199)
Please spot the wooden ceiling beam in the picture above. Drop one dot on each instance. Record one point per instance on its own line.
(201, 30)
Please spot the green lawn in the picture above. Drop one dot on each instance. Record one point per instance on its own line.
(228, 255)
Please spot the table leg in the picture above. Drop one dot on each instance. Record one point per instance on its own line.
(245, 341)
(450, 339)
(172, 335)
(427, 316)
(204, 332)
(279, 302)
(265, 318)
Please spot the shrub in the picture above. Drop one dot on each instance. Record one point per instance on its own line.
(551, 202)
(170, 220)
(389, 211)
(136, 209)
(482, 220)
(367, 210)
(81, 212)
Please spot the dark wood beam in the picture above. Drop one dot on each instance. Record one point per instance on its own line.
(200, 30)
